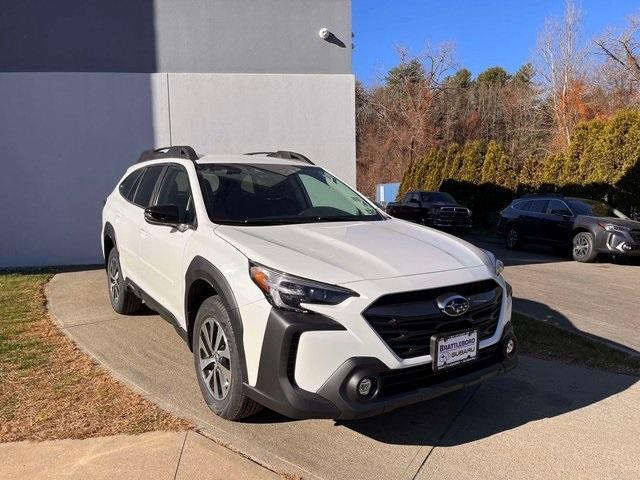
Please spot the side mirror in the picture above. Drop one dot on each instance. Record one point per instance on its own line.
(162, 215)
(414, 200)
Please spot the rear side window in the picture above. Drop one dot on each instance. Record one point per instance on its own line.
(146, 185)
(522, 206)
(538, 206)
(127, 187)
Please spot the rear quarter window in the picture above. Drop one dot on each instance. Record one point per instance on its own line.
(127, 187)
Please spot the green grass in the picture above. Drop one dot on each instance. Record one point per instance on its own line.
(20, 306)
(51, 390)
(543, 340)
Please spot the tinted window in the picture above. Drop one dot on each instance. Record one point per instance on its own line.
(438, 197)
(522, 205)
(594, 208)
(538, 206)
(278, 194)
(127, 187)
(556, 207)
(174, 190)
(146, 185)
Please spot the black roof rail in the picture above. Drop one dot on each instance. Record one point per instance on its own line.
(176, 151)
(284, 154)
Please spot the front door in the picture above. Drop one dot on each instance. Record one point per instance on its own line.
(162, 247)
(559, 222)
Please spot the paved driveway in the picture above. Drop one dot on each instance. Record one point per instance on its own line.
(600, 299)
(543, 420)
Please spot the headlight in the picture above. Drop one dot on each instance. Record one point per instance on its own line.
(610, 227)
(289, 292)
(494, 263)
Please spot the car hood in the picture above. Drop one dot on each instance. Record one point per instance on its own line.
(444, 204)
(622, 222)
(343, 252)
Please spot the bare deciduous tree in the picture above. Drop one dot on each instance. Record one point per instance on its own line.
(561, 68)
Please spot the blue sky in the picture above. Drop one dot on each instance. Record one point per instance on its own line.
(486, 32)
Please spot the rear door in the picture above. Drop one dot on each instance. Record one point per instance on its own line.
(124, 221)
(139, 200)
(533, 226)
(162, 247)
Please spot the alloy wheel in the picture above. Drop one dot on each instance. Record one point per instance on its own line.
(114, 279)
(580, 246)
(215, 360)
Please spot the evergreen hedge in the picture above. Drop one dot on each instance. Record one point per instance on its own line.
(602, 162)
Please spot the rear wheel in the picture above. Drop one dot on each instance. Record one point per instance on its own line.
(512, 238)
(122, 299)
(217, 362)
(584, 248)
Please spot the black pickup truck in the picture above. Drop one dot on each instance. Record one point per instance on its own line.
(434, 209)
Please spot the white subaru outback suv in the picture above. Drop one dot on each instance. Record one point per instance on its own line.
(295, 292)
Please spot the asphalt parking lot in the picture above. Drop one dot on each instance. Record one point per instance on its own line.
(543, 420)
(600, 299)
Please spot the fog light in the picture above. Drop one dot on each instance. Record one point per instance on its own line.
(511, 345)
(365, 386)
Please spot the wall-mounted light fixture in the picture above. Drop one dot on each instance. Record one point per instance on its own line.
(324, 33)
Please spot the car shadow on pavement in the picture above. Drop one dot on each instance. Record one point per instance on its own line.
(535, 390)
(544, 313)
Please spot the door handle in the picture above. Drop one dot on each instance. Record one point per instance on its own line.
(142, 232)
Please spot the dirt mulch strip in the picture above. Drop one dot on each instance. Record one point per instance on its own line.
(51, 390)
(543, 340)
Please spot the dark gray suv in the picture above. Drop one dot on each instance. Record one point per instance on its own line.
(590, 227)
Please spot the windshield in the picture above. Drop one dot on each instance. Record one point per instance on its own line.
(594, 208)
(438, 197)
(262, 194)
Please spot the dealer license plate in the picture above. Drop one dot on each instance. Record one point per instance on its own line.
(454, 349)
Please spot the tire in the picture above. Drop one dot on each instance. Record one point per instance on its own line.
(583, 247)
(512, 238)
(123, 300)
(217, 362)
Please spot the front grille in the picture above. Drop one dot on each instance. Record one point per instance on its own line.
(395, 382)
(453, 212)
(406, 321)
(635, 234)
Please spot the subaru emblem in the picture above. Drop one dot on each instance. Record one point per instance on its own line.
(453, 305)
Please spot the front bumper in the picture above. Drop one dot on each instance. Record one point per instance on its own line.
(276, 387)
(450, 222)
(618, 243)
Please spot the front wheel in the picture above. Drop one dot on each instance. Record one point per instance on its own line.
(584, 248)
(217, 362)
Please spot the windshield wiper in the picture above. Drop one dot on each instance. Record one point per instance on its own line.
(297, 219)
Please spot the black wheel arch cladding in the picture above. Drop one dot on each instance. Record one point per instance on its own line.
(201, 269)
(110, 234)
(274, 388)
